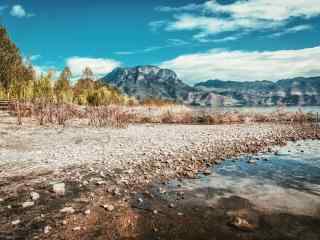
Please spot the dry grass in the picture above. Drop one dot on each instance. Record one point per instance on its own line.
(116, 116)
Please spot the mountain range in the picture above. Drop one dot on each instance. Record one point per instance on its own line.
(153, 82)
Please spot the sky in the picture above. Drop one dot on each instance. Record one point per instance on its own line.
(241, 40)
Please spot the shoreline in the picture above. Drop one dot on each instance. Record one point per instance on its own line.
(93, 186)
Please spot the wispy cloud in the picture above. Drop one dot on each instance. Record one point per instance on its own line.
(246, 65)
(155, 25)
(294, 29)
(251, 15)
(171, 43)
(124, 53)
(19, 12)
(189, 7)
(35, 57)
(99, 66)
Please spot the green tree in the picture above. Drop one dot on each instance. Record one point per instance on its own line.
(12, 68)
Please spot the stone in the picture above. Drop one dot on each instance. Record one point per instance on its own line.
(1, 200)
(59, 189)
(34, 196)
(27, 204)
(171, 205)
(108, 207)
(69, 210)
(155, 212)
(87, 212)
(252, 161)
(15, 222)
(76, 229)
(47, 229)
(242, 224)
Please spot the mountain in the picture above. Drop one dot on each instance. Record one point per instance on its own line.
(148, 82)
(294, 92)
(153, 82)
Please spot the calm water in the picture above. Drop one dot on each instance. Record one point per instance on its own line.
(288, 182)
(315, 109)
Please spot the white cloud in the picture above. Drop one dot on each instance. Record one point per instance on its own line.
(35, 57)
(189, 7)
(243, 65)
(294, 29)
(99, 66)
(124, 53)
(19, 12)
(244, 15)
(44, 69)
(267, 9)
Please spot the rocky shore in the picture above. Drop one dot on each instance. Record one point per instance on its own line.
(87, 183)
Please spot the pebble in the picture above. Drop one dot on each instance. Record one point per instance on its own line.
(69, 210)
(1, 200)
(27, 204)
(171, 205)
(242, 224)
(87, 212)
(155, 212)
(59, 189)
(34, 196)
(252, 162)
(16, 222)
(47, 229)
(108, 207)
(76, 229)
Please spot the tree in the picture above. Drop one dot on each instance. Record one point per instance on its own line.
(87, 74)
(12, 68)
(62, 88)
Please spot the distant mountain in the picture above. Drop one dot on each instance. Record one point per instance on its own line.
(148, 82)
(296, 91)
(153, 82)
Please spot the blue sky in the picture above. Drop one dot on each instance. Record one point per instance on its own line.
(200, 40)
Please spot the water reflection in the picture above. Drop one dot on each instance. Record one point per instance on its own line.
(287, 182)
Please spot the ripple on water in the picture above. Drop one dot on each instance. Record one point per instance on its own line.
(288, 182)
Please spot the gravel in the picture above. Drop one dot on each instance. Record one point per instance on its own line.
(33, 148)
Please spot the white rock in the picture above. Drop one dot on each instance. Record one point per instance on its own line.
(59, 188)
(16, 222)
(69, 210)
(47, 229)
(108, 207)
(27, 204)
(87, 212)
(34, 196)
